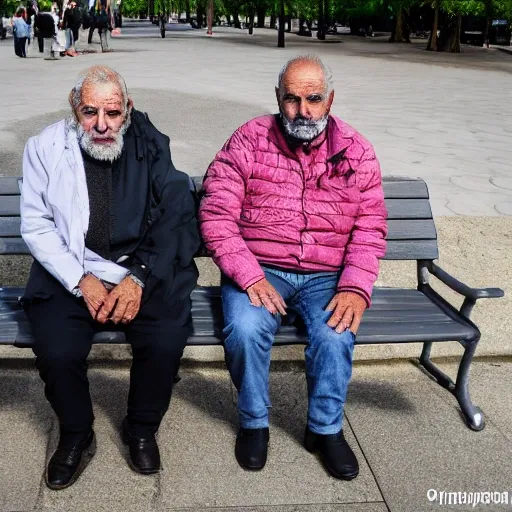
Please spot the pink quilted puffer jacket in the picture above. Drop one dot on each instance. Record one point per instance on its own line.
(310, 209)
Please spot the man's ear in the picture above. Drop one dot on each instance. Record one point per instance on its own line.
(71, 104)
(330, 100)
(278, 98)
(129, 104)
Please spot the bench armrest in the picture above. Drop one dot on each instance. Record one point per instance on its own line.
(461, 288)
(471, 294)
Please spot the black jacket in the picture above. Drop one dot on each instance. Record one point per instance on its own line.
(158, 228)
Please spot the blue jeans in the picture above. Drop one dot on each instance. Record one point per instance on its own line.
(248, 336)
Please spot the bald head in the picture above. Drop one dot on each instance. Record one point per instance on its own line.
(304, 94)
(306, 67)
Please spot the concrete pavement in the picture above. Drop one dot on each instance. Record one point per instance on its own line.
(406, 431)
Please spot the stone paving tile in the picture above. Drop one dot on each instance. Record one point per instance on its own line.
(413, 437)
(199, 437)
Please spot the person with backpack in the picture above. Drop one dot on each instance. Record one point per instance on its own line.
(100, 14)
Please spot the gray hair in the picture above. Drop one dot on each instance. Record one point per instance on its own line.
(312, 59)
(97, 75)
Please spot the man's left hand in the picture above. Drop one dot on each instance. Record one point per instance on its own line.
(122, 304)
(348, 309)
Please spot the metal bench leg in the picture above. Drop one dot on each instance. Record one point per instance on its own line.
(441, 377)
(473, 415)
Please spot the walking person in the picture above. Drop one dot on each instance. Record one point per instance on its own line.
(44, 24)
(71, 23)
(100, 14)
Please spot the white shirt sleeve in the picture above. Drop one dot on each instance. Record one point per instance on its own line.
(38, 228)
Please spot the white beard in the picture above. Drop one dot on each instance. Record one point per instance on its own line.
(102, 152)
(304, 130)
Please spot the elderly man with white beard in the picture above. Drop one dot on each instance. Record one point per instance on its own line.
(111, 226)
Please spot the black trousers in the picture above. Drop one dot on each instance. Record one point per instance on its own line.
(63, 329)
(20, 44)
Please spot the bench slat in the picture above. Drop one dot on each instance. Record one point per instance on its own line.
(412, 250)
(400, 188)
(13, 246)
(10, 206)
(397, 315)
(10, 226)
(408, 209)
(408, 229)
(9, 186)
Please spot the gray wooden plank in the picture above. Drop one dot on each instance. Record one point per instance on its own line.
(10, 226)
(408, 209)
(13, 246)
(388, 321)
(10, 206)
(407, 229)
(412, 250)
(9, 186)
(399, 188)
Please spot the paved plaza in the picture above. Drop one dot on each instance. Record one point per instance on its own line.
(444, 118)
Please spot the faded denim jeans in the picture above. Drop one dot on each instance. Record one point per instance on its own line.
(248, 336)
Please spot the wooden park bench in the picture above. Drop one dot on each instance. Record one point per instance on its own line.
(398, 315)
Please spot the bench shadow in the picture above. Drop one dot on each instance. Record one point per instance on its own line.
(289, 412)
(22, 394)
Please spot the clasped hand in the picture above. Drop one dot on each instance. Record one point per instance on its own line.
(120, 305)
(347, 307)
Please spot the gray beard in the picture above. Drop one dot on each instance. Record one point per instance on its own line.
(102, 152)
(304, 130)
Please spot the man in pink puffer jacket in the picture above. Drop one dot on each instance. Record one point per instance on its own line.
(293, 213)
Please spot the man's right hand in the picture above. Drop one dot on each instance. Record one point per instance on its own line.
(264, 294)
(94, 293)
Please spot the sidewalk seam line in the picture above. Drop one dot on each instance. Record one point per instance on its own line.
(368, 462)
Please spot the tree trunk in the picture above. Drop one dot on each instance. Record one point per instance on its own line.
(487, 34)
(280, 35)
(261, 11)
(432, 40)
(397, 35)
(327, 14)
(210, 18)
(455, 38)
(321, 21)
(251, 20)
(450, 35)
(187, 9)
(236, 21)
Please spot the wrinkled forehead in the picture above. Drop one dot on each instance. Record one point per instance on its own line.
(102, 94)
(303, 78)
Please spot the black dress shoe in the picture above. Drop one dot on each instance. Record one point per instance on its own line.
(335, 453)
(251, 448)
(69, 460)
(144, 454)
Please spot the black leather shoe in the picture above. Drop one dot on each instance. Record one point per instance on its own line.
(335, 453)
(251, 448)
(68, 462)
(144, 454)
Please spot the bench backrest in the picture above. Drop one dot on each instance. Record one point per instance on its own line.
(412, 233)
